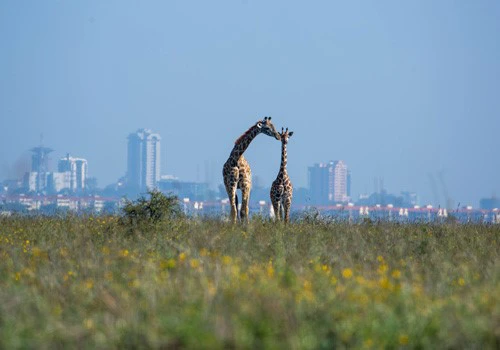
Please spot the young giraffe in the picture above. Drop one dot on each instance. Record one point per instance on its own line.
(236, 171)
(282, 189)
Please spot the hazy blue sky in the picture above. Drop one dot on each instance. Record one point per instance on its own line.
(397, 89)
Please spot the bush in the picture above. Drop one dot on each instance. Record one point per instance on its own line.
(158, 207)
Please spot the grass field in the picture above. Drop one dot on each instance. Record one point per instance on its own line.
(96, 283)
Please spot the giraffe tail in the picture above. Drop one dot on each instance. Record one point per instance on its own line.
(236, 201)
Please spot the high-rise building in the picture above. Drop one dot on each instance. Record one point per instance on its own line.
(338, 176)
(37, 178)
(40, 159)
(329, 183)
(318, 184)
(77, 169)
(143, 161)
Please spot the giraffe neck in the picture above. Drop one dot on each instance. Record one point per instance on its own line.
(283, 172)
(243, 142)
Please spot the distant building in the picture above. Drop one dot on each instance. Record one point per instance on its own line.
(197, 191)
(11, 185)
(410, 199)
(31, 181)
(71, 175)
(57, 182)
(383, 198)
(489, 203)
(36, 180)
(53, 182)
(143, 160)
(338, 175)
(318, 184)
(40, 159)
(329, 183)
(77, 169)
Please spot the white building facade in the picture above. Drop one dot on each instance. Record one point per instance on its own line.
(76, 170)
(143, 159)
(338, 182)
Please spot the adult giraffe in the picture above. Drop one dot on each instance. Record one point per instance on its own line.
(236, 170)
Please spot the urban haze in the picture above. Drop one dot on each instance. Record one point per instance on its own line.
(403, 95)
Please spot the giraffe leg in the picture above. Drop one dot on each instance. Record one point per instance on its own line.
(234, 208)
(245, 186)
(286, 208)
(245, 194)
(231, 186)
(277, 209)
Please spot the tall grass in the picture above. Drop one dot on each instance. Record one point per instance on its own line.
(95, 283)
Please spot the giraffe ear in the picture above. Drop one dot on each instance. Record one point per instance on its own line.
(290, 134)
(259, 125)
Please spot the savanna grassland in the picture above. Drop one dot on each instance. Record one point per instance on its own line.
(97, 282)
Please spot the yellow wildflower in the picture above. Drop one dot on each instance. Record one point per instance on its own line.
(368, 343)
(307, 285)
(134, 283)
(383, 269)
(347, 273)
(171, 263)
(36, 252)
(195, 263)
(384, 283)
(203, 252)
(403, 339)
(461, 282)
(396, 274)
(89, 284)
(235, 270)
(270, 270)
(182, 257)
(88, 323)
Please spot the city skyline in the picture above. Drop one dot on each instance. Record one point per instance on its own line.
(329, 183)
(401, 91)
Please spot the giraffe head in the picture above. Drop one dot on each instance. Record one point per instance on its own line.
(285, 135)
(266, 126)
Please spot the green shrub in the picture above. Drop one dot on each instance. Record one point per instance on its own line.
(157, 208)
